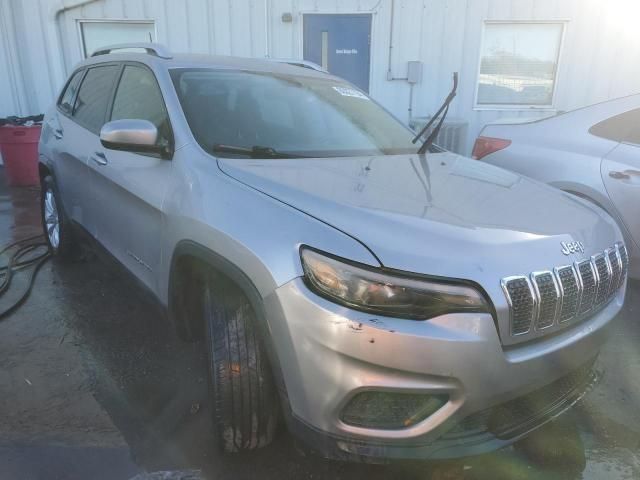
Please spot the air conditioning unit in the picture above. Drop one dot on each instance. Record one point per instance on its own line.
(452, 136)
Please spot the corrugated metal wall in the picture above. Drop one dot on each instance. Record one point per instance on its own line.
(40, 42)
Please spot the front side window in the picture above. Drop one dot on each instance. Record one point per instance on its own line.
(621, 128)
(93, 97)
(299, 115)
(138, 97)
(69, 95)
(519, 64)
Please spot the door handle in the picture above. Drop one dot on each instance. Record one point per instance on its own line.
(99, 158)
(619, 175)
(58, 133)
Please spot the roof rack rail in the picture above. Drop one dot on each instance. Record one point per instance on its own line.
(300, 63)
(154, 49)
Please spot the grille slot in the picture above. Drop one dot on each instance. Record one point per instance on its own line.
(616, 270)
(522, 303)
(570, 288)
(589, 286)
(548, 296)
(624, 259)
(604, 277)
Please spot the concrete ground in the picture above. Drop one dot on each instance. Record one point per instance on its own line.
(94, 385)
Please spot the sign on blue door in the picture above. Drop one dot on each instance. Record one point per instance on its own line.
(341, 44)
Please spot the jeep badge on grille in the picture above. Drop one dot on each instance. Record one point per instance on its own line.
(569, 248)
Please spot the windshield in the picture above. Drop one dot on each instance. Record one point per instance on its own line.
(300, 115)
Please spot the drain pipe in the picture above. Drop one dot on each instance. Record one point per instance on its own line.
(414, 68)
(411, 85)
(56, 12)
(390, 76)
(267, 27)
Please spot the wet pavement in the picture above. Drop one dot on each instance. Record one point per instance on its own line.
(95, 385)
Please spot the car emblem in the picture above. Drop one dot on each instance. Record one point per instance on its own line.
(569, 248)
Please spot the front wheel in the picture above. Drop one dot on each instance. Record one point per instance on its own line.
(243, 393)
(56, 226)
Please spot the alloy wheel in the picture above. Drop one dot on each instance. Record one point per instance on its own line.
(52, 219)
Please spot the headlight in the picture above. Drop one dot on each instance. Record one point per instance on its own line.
(375, 291)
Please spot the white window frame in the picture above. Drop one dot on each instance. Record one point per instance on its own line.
(520, 107)
(80, 21)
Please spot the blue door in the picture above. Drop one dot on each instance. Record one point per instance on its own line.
(341, 44)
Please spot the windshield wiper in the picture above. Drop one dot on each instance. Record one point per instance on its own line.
(444, 109)
(254, 152)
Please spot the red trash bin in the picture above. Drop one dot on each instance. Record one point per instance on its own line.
(19, 148)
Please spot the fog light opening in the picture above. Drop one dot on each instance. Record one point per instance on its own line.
(390, 410)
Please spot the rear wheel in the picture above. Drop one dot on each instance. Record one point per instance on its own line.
(56, 226)
(243, 393)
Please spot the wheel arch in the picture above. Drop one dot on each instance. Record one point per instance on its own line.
(197, 259)
(43, 169)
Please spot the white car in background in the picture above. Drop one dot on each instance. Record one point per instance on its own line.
(593, 152)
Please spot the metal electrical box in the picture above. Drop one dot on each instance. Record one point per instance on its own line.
(414, 72)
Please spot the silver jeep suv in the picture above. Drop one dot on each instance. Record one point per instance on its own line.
(387, 304)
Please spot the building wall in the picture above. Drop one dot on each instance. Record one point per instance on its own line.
(40, 43)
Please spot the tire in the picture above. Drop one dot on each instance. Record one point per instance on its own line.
(56, 226)
(242, 390)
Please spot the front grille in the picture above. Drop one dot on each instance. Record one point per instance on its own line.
(570, 288)
(525, 413)
(549, 295)
(550, 299)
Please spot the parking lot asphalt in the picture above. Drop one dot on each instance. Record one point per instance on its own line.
(95, 385)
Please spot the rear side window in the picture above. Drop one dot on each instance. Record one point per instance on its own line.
(621, 128)
(93, 97)
(139, 98)
(69, 95)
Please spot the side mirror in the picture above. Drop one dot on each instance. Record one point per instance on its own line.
(139, 136)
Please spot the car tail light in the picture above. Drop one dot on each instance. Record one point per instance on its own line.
(486, 146)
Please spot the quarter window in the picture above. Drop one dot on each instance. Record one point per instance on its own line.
(69, 95)
(139, 98)
(621, 128)
(93, 97)
(519, 64)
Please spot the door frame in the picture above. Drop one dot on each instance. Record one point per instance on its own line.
(372, 14)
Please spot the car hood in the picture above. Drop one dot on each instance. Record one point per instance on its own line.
(440, 214)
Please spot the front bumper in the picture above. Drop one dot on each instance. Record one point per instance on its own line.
(328, 354)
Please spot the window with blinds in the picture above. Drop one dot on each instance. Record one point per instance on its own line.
(519, 64)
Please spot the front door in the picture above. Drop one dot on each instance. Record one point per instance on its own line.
(129, 187)
(341, 44)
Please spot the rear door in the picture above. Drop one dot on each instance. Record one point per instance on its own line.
(81, 143)
(128, 187)
(69, 166)
(621, 167)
